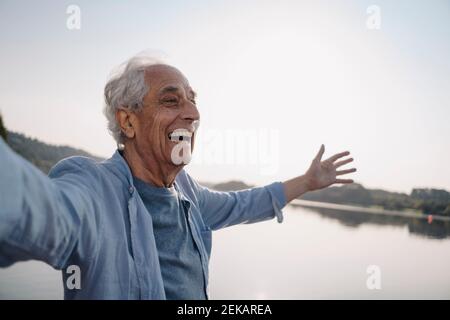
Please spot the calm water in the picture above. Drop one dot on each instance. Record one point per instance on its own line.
(311, 255)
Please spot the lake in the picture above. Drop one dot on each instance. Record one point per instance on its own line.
(314, 254)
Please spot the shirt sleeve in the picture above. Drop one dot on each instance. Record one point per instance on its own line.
(42, 218)
(223, 209)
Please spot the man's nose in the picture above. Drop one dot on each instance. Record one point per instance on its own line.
(190, 112)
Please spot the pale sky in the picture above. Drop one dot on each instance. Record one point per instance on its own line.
(274, 78)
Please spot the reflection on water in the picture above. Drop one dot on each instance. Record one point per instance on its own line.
(324, 254)
(437, 228)
(313, 254)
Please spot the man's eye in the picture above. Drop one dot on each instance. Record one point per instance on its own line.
(170, 100)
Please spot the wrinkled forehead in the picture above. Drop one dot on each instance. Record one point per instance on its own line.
(160, 76)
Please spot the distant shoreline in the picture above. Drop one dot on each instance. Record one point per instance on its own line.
(353, 208)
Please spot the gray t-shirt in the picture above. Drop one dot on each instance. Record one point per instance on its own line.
(179, 257)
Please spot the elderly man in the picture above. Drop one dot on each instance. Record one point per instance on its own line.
(136, 226)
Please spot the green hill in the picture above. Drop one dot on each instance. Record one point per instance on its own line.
(428, 201)
(42, 155)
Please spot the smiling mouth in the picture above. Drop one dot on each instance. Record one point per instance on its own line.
(179, 135)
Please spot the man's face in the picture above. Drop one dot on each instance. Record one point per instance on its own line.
(168, 106)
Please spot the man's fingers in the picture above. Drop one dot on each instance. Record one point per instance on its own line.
(343, 181)
(337, 156)
(341, 172)
(320, 154)
(342, 162)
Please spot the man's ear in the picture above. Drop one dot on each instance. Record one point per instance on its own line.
(125, 119)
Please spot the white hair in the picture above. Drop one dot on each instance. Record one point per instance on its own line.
(126, 89)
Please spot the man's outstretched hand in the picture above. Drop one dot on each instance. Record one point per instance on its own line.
(320, 174)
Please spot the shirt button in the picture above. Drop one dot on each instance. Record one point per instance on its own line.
(131, 189)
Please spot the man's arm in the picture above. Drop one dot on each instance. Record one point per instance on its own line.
(41, 218)
(222, 209)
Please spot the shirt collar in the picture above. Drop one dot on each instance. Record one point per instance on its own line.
(119, 166)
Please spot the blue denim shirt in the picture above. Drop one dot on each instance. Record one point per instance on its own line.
(88, 214)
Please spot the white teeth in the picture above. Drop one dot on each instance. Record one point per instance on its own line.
(180, 135)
